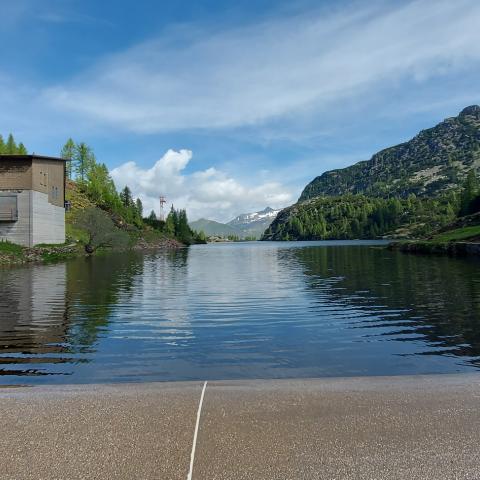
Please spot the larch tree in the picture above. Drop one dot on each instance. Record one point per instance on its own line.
(68, 153)
(84, 160)
(139, 206)
(11, 146)
(21, 149)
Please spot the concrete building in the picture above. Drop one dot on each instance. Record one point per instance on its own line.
(32, 199)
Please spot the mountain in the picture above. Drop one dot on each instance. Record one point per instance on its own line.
(432, 162)
(245, 225)
(213, 229)
(406, 190)
(254, 224)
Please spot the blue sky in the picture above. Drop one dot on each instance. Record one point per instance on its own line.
(229, 106)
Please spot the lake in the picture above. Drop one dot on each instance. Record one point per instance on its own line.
(237, 311)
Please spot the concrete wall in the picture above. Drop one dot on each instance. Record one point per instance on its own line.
(38, 220)
(19, 232)
(48, 220)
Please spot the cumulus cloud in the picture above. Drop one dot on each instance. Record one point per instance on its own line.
(208, 193)
(284, 66)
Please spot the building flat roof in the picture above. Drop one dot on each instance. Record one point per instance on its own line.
(31, 157)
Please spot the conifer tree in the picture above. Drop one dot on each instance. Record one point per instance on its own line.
(11, 147)
(84, 160)
(68, 153)
(2, 145)
(126, 197)
(469, 193)
(21, 150)
(139, 206)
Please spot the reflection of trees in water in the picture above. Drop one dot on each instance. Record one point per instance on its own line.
(93, 289)
(96, 285)
(54, 314)
(438, 298)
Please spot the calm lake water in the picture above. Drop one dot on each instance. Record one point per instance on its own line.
(231, 311)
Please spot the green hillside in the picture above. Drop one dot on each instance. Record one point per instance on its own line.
(359, 216)
(214, 229)
(405, 191)
(434, 161)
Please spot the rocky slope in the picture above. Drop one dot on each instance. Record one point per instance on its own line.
(434, 161)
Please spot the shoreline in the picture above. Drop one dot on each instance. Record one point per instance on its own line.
(415, 427)
(369, 381)
(41, 255)
(426, 247)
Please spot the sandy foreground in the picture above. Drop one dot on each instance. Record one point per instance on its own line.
(422, 427)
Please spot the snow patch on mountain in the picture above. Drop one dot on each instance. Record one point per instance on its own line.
(269, 214)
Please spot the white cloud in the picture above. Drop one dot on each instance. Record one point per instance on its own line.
(206, 193)
(285, 66)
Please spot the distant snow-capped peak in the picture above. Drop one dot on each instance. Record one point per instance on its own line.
(245, 218)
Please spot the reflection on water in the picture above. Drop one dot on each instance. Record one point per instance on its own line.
(252, 310)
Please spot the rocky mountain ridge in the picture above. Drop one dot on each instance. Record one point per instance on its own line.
(432, 162)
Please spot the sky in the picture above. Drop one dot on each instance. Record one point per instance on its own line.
(229, 106)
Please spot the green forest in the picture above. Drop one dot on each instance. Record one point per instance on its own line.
(359, 216)
(10, 147)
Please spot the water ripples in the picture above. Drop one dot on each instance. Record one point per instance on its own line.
(254, 310)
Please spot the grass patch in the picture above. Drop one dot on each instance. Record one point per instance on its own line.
(52, 257)
(459, 234)
(10, 248)
(51, 245)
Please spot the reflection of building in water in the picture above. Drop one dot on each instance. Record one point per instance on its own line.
(32, 308)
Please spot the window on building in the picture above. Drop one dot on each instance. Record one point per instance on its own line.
(8, 208)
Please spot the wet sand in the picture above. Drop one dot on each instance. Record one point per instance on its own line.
(423, 427)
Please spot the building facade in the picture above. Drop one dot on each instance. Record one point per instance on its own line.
(32, 199)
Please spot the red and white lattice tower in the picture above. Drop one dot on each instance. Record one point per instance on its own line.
(163, 201)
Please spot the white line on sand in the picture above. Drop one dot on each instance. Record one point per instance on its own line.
(194, 446)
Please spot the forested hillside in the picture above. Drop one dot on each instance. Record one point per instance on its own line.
(100, 215)
(359, 216)
(408, 190)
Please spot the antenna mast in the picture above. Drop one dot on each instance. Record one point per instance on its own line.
(163, 201)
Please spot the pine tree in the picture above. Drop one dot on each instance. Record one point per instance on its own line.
(2, 145)
(153, 216)
(126, 197)
(469, 193)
